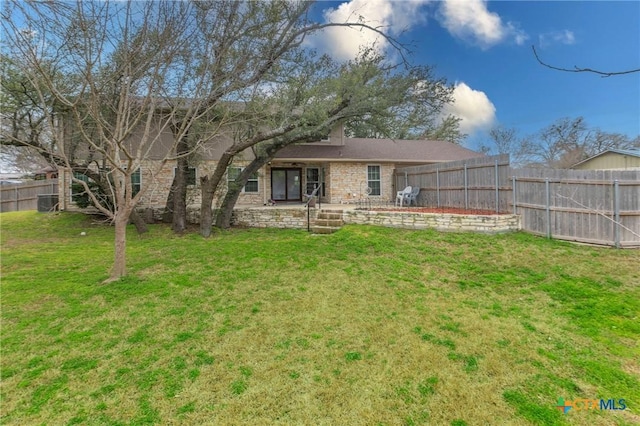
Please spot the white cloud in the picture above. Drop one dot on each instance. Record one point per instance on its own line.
(390, 16)
(556, 37)
(473, 107)
(471, 20)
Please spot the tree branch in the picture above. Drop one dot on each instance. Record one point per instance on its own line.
(578, 69)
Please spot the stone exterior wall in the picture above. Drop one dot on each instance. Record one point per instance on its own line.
(157, 180)
(438, 221)
(348, 181)
(156, 195)
(345, 182)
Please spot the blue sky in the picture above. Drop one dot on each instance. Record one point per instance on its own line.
(485, 49)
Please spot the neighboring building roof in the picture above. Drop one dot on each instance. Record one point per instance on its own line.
(383, 150)
(631, 152)
(47, 169)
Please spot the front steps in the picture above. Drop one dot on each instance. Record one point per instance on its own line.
(327, 222)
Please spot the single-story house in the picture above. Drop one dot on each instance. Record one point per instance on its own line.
(612, 159)
(349, 169)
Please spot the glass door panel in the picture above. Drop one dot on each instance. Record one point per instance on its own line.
(293, 185)
(286, 184)
(279, 184)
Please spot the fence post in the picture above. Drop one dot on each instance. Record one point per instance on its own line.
(406, 179)
(548, 202)
(513, 195)
(16, 192)
(438, 186)
(616, 213)
(497, 189)
(466, 188)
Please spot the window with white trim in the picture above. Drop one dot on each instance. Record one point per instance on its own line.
(314, 179)
(252, 183)
(373, 179)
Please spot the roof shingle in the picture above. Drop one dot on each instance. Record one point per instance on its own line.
(383, 150)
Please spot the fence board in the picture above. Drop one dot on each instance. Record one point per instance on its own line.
(24, 196)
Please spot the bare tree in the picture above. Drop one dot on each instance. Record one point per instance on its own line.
(147, 80)
(561, 144)
(130, 80)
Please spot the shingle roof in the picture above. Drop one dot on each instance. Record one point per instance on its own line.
(383, 150)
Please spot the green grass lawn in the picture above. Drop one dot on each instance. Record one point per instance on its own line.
(363, 327)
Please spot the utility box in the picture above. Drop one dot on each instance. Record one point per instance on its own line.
(47, 203)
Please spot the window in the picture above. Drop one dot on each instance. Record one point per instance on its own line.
(313, 180)
(191, 175)
(252, 182)
(136, 181)
(373, 179)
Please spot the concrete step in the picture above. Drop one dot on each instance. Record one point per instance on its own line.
(331, 216)
(329, 222)
(318, 229)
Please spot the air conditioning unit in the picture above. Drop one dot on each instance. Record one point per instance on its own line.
(47, 203)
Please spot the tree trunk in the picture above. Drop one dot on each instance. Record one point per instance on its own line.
(140, 224)
(119, 269)
(167, 214)
(209, 185)
(206, 209)
(179, 222)
(223, 220)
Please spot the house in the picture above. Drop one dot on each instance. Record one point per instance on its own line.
(612, 159)
(48, 172)
(349, 169)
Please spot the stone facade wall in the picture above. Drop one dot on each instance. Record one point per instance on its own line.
(157, 180)
(438, 221)
(156, 195)
(345, 182)
(348, 182)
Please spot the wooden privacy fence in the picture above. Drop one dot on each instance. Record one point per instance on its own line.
(24, 196)
(591, 206)
(482, 183)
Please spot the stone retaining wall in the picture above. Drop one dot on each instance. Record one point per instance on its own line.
(272, 218)
(438, 221)
(296, 218)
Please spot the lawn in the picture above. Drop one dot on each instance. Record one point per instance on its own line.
(366, 326)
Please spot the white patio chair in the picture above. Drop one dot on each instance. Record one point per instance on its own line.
(413, 196)
(401, 196)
